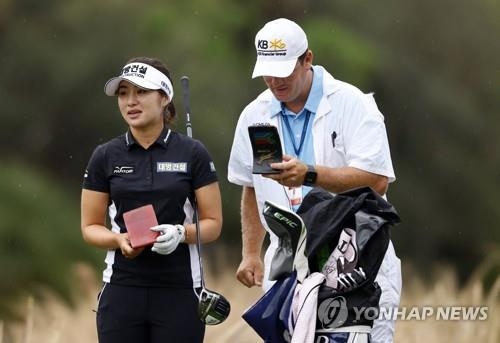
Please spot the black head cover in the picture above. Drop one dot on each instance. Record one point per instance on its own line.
(287, 226)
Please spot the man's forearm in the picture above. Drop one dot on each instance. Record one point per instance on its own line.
(339, 180)
(335, 180)
(252, 230)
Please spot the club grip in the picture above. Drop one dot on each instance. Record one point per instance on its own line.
(185, 92)
(187, 109)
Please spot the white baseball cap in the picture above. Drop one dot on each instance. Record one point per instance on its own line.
(142, 75)
(279, 44)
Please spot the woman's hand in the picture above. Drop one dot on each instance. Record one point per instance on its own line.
(126, 248)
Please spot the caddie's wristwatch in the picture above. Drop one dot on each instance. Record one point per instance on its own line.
(310, 177)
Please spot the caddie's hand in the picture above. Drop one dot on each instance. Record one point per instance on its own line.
(169, 238)
(251, 271)
(292, 171)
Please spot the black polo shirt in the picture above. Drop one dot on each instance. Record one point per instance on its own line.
(164, 175)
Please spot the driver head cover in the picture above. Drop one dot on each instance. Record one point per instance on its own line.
(288, 227)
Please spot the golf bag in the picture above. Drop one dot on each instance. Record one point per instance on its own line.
(328, 258)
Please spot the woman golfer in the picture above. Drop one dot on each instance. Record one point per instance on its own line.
(148, 294)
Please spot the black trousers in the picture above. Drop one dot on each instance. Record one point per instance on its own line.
(148, 315)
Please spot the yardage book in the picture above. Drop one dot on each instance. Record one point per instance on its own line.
(138, 221)
(266, 146)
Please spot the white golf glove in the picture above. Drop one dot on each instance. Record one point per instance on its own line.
(169, 238)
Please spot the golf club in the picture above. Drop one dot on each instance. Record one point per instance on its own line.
(213, 308)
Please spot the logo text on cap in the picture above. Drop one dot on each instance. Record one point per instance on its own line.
(276, 44)
(134, 69)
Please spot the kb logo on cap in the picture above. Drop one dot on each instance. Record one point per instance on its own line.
(276, 44)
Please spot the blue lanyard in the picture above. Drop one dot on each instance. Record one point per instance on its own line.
(292, 136)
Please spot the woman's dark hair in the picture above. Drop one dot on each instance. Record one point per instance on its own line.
(169, 114)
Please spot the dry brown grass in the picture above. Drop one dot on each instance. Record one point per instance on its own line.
(447, 292)
(53, 322)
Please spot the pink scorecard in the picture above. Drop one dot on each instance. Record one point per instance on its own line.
(138, 221)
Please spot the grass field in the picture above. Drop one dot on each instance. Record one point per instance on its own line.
(53, 322)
